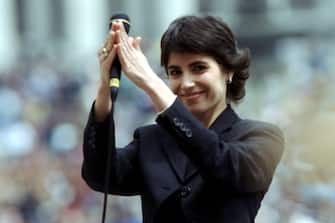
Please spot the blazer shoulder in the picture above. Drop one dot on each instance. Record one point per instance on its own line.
(249, 125)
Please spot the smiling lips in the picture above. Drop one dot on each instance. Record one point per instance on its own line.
(192, 96)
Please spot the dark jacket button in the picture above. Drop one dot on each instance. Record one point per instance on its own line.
(188, 133)
(176, 121)
(186, 190)
(182, 127)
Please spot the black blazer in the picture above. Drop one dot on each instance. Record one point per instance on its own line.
(229, 166)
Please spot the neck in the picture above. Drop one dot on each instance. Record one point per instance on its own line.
(207, 118)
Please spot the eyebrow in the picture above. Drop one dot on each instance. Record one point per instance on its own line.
(189, 65)
(173, 67)
(197, 62)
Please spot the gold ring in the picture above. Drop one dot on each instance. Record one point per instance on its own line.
(105, 52)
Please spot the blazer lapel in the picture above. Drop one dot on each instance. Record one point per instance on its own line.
(176, 158)
(224, 121)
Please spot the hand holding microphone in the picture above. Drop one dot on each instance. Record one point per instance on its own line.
(121, 50)
(109, 62)
(110, 68)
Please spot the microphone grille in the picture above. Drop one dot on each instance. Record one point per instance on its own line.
(120, 16)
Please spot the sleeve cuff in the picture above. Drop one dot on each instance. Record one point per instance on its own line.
(167, 107)
(93, 120)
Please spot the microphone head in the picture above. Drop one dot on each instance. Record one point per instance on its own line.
(124, 18)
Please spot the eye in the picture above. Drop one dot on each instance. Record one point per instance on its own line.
(199, 68)
(174, 73)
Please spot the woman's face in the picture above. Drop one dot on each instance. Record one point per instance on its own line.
(199, 81)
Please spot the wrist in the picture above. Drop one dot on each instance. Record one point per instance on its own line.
(103, 103)
(160, 94)
(103, 88)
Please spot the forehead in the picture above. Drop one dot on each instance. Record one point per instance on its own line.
(179, 59)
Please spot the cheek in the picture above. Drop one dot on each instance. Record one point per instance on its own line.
(173, 85)
(219, 88)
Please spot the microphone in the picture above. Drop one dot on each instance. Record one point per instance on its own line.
(115, 71)
(114, 83)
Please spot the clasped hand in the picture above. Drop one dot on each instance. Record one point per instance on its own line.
(134, 65)
(133, 62)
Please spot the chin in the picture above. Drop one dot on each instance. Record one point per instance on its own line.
(196, 110)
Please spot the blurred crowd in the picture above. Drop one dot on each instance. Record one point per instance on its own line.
(45, 102)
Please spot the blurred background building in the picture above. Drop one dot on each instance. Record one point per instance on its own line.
(48, 78)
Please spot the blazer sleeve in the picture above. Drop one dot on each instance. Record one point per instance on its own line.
(244, 164)
(125, 178)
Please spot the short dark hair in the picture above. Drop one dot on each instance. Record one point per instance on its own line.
(211, 36)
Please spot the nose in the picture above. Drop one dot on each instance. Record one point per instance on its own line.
(187, 82)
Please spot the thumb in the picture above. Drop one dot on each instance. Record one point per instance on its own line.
(137, 43)
(111, 56)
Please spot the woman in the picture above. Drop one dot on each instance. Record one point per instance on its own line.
(200, 162)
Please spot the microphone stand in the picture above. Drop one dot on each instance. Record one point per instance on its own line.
(111, 149)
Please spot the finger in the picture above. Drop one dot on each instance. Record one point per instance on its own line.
(123, 37)
(103, 53)
(123, 57)
(125, 46)
(131, 40)
(110, 40)
(123, 34)
(122, 28)
(110, 57)
(118, 25)
(137, 43)
(115, 26)
(102, 57)
(124, 52)
(125, 49)
(117, 37)
(104, 50)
